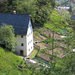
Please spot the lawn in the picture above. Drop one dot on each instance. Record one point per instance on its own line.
(33, 54)
(9, 63)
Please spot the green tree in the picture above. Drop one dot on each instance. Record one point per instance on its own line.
(26, 7)
(58, 21)
(3, 6)
(7, 36)
(73, 27)
(43, 10)
(66, 65)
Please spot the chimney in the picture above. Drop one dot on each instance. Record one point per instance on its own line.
(14, 12)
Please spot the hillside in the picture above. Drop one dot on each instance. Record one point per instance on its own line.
(9, 63)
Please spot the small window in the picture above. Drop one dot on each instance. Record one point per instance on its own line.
(22, 44)
(31, 40)
(29, 49)
(21, 52)
(29, 34)
(21, 36)
(28, 43)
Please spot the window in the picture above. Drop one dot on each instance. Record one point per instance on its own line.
(21, 36)
(22, 44)
(29, 42)
(21, 52)
(29, 49)
(29, 34)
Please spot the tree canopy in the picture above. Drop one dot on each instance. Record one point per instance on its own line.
(7, 37)
(43, 11)
(58, 21)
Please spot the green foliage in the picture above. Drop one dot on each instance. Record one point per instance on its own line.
(58, 21)
(3, 5)
(48, 41)
(21, 6)
(41, 32)
(25, 6)
(9, 65)
(9, 62)
(7, 36)
(44, 8)
(33, 54)
(39, 10)
(6, 6)
(66, 65)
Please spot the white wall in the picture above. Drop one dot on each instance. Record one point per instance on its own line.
(19, 47)
(29, 38)
(26, 40)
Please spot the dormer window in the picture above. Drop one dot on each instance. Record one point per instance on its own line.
(21, 36)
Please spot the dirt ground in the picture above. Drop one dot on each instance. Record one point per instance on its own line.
(58, 51)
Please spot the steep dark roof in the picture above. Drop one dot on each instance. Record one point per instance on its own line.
(19, 22)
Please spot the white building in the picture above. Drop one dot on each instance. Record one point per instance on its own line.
(23, 31)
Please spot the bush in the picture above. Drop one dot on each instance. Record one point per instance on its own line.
(7, 38)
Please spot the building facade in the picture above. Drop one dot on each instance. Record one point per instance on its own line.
(23, 32)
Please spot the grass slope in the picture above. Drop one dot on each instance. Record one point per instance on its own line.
(33, 54)
(9, 63)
